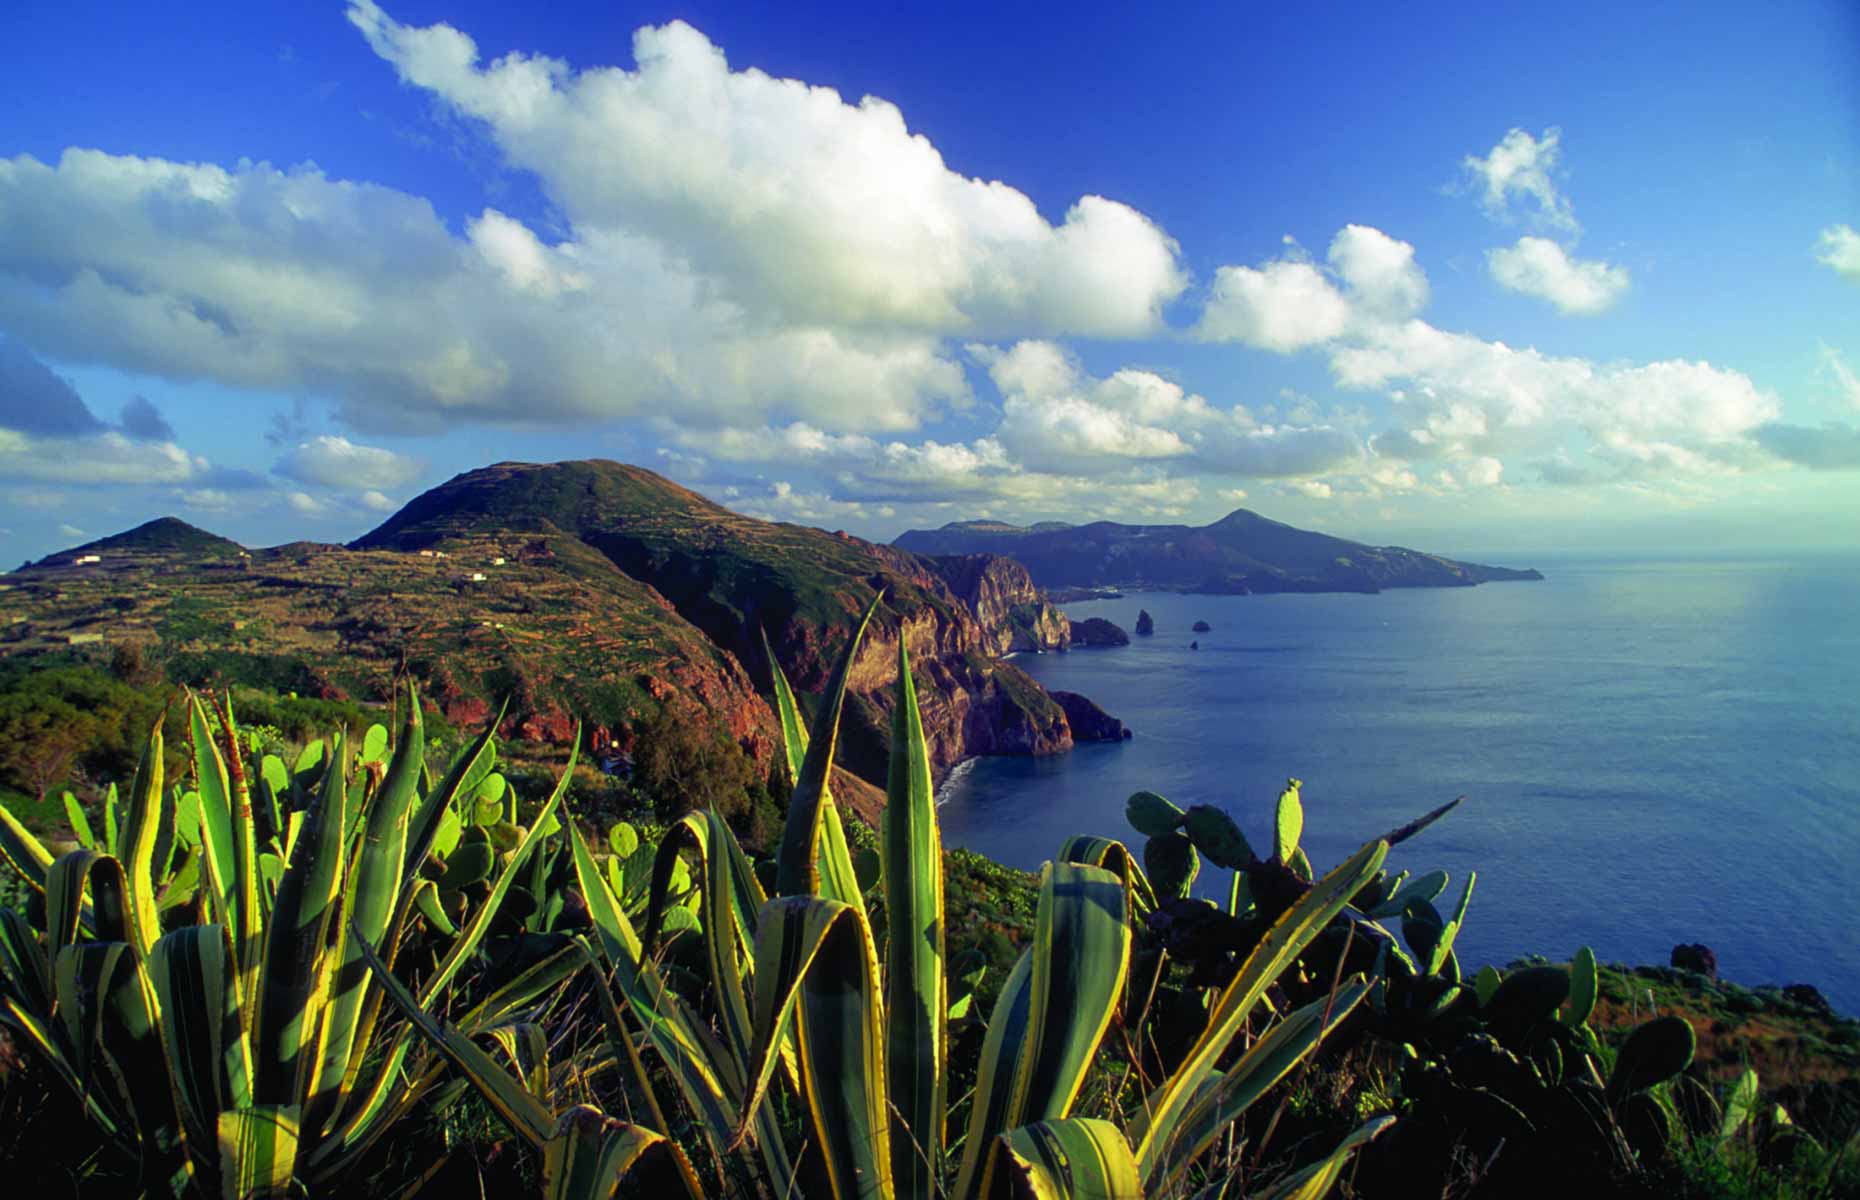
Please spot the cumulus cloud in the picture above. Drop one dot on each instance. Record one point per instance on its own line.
(1839, 248)
(1542, 268)
(109, 458)
(1461, 397)
(1289, 303)
(336, 462)
(1520, 169)
(786, 196)
(1283, 305)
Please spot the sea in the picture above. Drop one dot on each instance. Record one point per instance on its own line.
(1651, 752)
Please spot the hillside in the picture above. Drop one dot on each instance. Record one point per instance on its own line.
(1243, 552)
(163, 535)
(736, 579)
(587, 590)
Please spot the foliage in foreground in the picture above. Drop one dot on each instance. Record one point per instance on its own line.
(255, 988)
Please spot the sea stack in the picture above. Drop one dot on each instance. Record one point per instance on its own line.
(1145, 626)
(1202, 627)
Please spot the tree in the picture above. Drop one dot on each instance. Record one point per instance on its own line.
(684, 762)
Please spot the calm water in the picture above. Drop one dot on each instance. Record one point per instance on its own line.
(1652, 752)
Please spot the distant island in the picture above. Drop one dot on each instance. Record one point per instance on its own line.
(1240, 554)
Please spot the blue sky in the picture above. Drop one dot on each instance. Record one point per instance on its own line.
(1477, 281)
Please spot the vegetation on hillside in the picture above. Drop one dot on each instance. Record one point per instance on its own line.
(358, 967)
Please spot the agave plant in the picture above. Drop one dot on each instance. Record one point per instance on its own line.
(244, 1051)
(800, 1004)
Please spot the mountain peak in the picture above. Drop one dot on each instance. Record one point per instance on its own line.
(569, 496)
(163, 535)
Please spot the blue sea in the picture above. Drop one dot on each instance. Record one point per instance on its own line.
(1651, 752)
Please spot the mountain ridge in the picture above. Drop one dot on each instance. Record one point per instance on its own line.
(1242, 552)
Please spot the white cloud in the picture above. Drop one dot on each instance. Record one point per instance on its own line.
(211, 500)
(1311, 489)
(1289, 304)
(336, 462)
(376, 502)
(72, 531)
(1520, 168)
(1459, 396)
(1284, 305)
(1839, 248)
(289, 280)
(789, 198)
(305, 504)
(1540, 267)
(106, 458)
(1379, 271)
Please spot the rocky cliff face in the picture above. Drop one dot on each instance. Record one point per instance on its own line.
(1089, 722)
(1096, 631)
(738, 580)
(1015, 615)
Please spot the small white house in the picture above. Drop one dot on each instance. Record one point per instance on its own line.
(477, 576)
(426, 554)
(497, 562)
(85, 560)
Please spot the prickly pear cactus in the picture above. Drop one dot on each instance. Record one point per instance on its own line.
(1151, 815)
(1289, 822)
(1652, 1054)
(1171, 863)
(1216, 836)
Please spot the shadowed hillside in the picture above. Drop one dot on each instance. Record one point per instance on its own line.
(1240, 553)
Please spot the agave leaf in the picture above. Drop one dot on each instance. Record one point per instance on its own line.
(1078, 1158)
(1073, 979)
(258, 1151)
(140, 831)
(1116, 858)
(70, 878)
(1316, 1180)
(81, 974)
(707, 1076)
(132, 1040)
(506, 1095)
(220, 866)
(109, 821)
(197, 996)
(729, 899)
(798, 872)
(589, 1153)
(299, 959)
(916, 991)
(80, 824)
(817, 974)
(1226, 1096)
(1284, 941)
(371, 891)
(839, 878)
(23, 851)
(1397, 836)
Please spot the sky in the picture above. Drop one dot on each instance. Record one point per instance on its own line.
(1468, 278)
